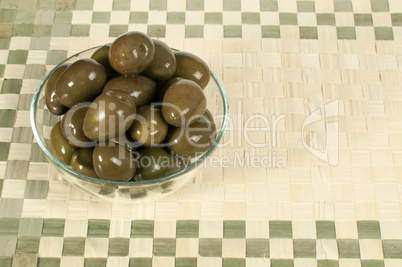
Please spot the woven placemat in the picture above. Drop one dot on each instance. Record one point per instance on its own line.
(281, 59)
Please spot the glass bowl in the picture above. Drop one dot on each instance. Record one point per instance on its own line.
(42, 121)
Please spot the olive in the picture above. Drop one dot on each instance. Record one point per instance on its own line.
(82, 162)
(163, 65)
(101, 55)
(192, 140)
(127, 141)
(152, 163)
(178, 164)
(59, 145)
(113, 162)
(139, 87)
(161, 90)
(72, 125)
(52, 103)
(131, 52)
(149, 128)
(190, 66)
(208, 115)
(81, 81)
(109, 115)
(183, 101)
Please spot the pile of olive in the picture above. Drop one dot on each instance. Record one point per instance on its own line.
(135, 110)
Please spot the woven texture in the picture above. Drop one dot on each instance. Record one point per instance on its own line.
(284, 59)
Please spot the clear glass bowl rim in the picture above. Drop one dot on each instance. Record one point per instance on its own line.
(161, 179)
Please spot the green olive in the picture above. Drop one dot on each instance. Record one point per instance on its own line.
(161, 90)
(59, 145)
(192, 140)
(127, 141)
(149, 128)
(152, 163)
(109, 115)
(52, 103)
(82, 162)
(208, 115)
(72, 125)
(178, 164)
(190, 66)
(101, 55)
(81, 81)
(139, 87)
(131, 53)
(183, 101)
(163, 65)
(113, 162)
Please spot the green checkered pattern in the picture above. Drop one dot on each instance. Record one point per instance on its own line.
(232, 243)
(274, 57)
(226, 19)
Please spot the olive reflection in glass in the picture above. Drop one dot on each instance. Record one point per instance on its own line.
(109, 115)
(149, 128)
(72, 125)
(152, 163)
(81, 81)
(82, 162)
(113, 162)
(163, 65)
(192, 67)
(184, 100)
(131, 53)
(192, 140)
(52, 103)
(60, 147)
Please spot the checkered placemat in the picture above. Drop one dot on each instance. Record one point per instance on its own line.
(285, 59)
